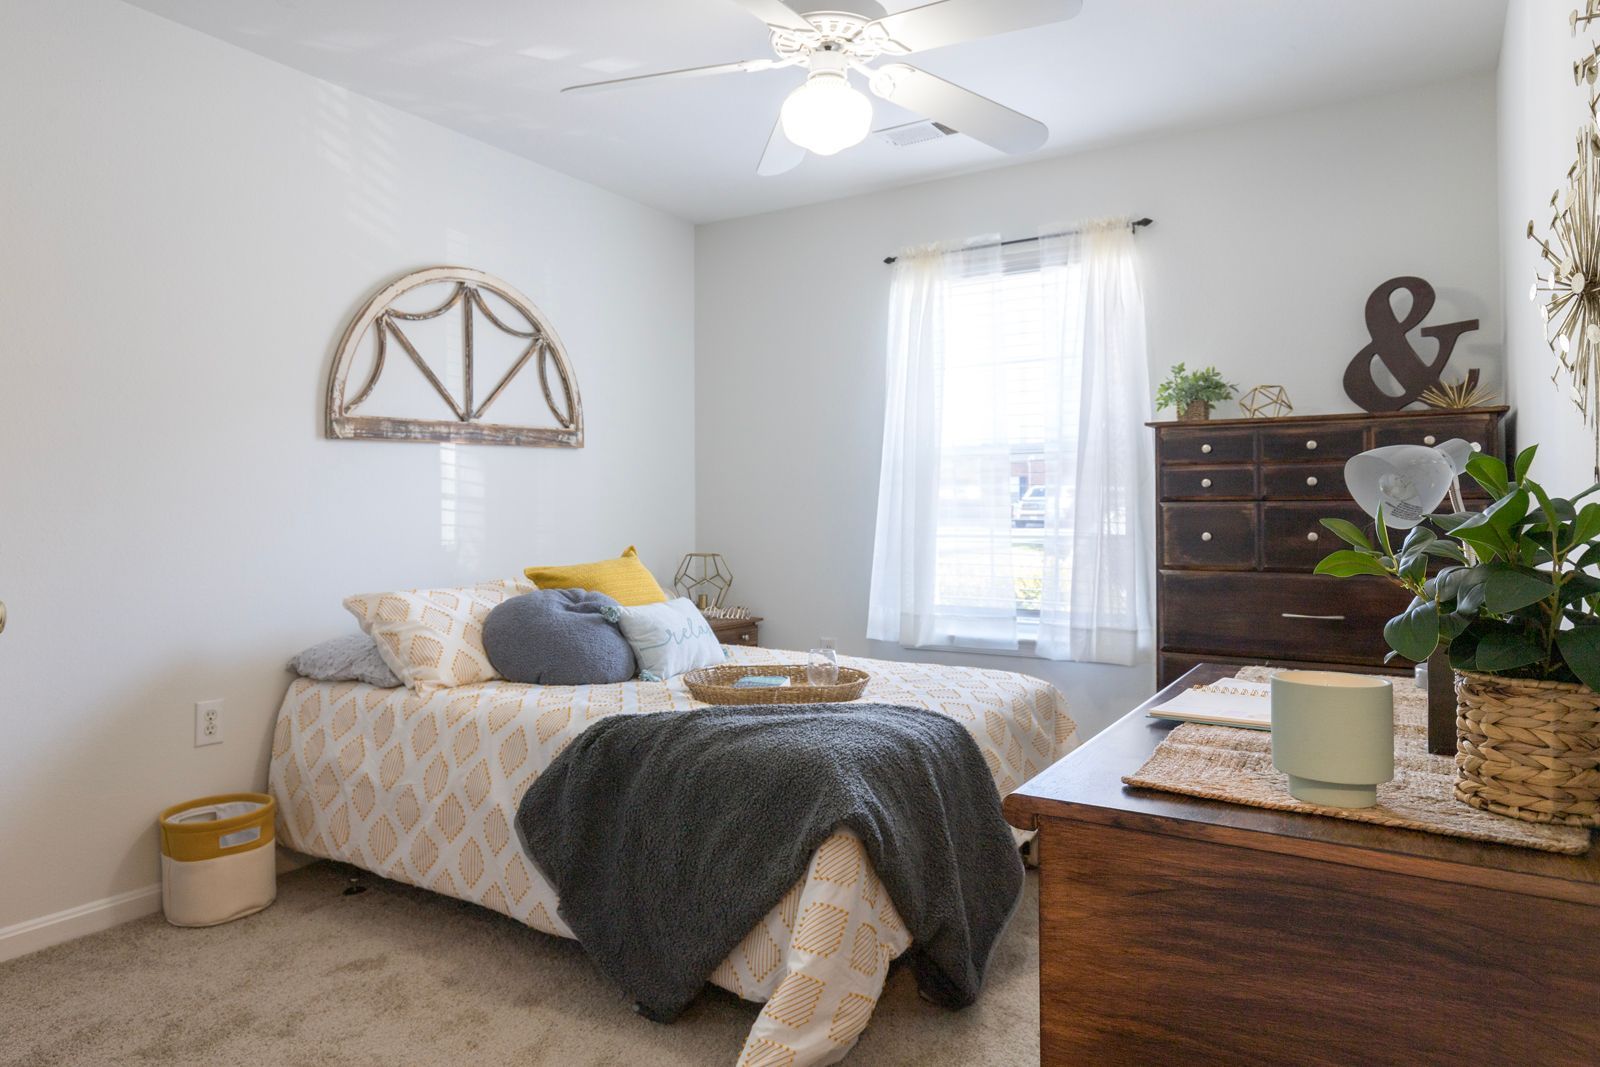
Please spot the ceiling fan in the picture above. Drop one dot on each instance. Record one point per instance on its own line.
(826, 114)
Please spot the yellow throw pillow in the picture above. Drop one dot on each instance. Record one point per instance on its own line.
(625, 579)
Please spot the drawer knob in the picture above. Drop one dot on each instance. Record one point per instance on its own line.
(1206, 536)
(1206, 449)
(1430, 439)
(1312, 536)
(1312, 444)
(1205, 483)
(1311, 480)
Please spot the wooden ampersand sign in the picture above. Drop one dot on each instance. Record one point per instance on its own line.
(1392, 345)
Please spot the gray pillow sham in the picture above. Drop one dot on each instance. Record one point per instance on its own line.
(345, 659)
(557, 637)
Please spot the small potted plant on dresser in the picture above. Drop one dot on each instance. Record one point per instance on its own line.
(1191, 393)
(1517, 603)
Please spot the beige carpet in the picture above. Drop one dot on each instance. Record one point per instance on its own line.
(397, 975)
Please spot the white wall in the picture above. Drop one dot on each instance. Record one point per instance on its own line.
(1269, 235)
(1541, 112)
(185, 230)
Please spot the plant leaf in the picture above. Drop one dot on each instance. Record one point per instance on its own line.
(1524, 461)
(1348, 532)
(1445, 550)
(1469, 597)
(1490, 473)
(1346, 562)
(1586, 526)
(1464, 650)
(1508, 589)
(1414, 633)
(1452, 626)
(1383, 532)
(1580, 647)
(1506, 650)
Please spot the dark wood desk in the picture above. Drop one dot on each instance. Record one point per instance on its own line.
(1184, 930)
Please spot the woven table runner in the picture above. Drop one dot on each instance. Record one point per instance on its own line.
(1234, 765)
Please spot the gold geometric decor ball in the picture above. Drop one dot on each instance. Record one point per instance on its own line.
(703, 577)
(1266, 402)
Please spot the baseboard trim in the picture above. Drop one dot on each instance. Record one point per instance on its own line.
(31, 935)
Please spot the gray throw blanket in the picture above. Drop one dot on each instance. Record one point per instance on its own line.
(670, 835)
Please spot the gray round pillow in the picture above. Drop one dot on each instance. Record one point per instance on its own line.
(557, 637)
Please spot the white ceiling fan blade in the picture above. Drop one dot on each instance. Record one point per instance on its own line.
(781, 153)
(962, 109)
(687, 72)
(776, 13)
(953, 21)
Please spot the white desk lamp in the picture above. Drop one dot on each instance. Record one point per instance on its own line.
(1407, 481)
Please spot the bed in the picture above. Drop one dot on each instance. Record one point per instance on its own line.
(422, 789)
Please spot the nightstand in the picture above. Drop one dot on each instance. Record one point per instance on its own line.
(737, 631)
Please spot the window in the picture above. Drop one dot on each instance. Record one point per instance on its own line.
(1015, 457)
(1006, 420)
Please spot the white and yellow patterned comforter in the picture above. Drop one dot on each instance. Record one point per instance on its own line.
(423, 790)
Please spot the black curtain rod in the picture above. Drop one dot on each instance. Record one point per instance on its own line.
(1029, 240)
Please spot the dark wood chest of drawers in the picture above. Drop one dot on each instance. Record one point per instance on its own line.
(1237, 536)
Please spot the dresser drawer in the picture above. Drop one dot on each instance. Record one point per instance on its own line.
(1208, 483)
(1219, 536)
(1286, 616)
(1234, 445)
(1477, 429)
(1310, 443)
(1309, 481)
(1294, 539)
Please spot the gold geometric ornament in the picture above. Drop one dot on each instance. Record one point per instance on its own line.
(494, 321)
(1266, 402)
(703, 574)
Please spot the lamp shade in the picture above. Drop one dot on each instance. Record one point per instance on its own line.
(826, 114)
(1406, 481)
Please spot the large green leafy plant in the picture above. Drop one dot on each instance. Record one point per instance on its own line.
(1524, 602)
(1183, 387)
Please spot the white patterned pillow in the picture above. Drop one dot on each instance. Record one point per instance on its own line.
(668, 639)
(433, 638)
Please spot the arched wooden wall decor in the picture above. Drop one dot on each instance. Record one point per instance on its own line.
(466, 423)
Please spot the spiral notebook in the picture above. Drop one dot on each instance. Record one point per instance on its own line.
(1229, 702)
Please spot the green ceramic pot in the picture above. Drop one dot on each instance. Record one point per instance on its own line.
(1333, 735)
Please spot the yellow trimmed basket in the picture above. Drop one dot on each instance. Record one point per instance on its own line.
(714, 685)
(1528, 749)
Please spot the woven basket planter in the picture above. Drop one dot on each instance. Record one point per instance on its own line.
(1528, 749)
(1195, 411)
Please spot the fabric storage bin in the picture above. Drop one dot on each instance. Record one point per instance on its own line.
(217, 858)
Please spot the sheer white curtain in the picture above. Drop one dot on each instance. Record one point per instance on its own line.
(1014, 495)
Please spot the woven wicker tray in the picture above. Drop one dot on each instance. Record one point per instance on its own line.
(714, 685)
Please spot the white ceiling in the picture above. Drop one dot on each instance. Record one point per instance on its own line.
(492, 69)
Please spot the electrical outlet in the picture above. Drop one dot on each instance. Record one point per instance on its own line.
(207, 723)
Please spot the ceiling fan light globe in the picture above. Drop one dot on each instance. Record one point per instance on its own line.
(826, 114)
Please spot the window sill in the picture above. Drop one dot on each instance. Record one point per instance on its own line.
(1026, 649)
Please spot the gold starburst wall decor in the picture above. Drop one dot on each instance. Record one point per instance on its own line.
(1571, 286)
(1266, 402)
(1461, 393)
